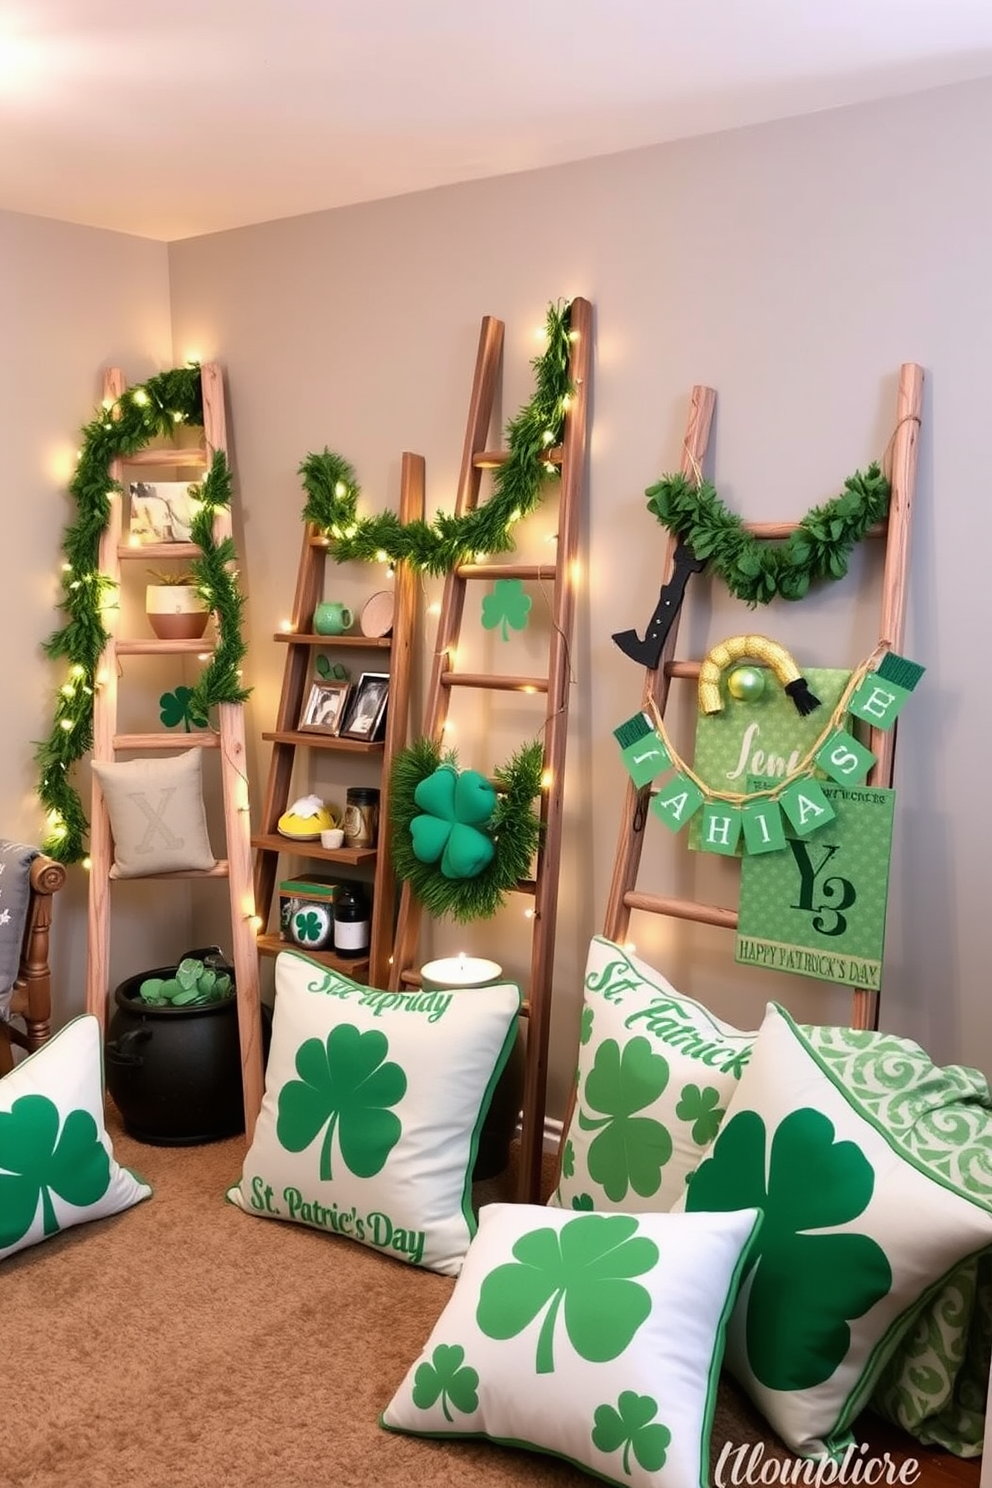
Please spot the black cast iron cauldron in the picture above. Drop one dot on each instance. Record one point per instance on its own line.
(175, 1072)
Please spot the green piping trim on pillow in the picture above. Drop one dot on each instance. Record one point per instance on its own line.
(484, 1104)
(895, 1146)
(720, 1339)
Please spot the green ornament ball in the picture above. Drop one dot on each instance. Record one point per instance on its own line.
(746, 683)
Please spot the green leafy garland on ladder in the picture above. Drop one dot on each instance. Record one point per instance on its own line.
(148, 411)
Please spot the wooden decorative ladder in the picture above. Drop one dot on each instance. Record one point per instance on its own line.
(287, 739)
(555, 685)
(895, 531)
(229, 739)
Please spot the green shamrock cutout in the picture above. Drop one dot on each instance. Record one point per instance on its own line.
(583, 1201)
(630, 1424)
(307, 925)
(39, 1160)
(702, 1108)
(174, 709)
(585, 1025)
(331, 671)
(447, 1378)
(805, 1287)
(507, 605)
(584, 1270)
(348, 1084)
(629, 1151)
(456, 805)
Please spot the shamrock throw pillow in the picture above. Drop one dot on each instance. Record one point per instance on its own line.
(864, 1161)
(57, 1166)
(596, 1337)
(374, 1104)
(655, 1073)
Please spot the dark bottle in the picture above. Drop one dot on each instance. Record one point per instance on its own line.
(351, 921)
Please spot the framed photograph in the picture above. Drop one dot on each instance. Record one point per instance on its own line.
(368, 707)
(160, 511)
(325, 707)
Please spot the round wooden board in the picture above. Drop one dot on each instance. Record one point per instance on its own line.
(377, 616)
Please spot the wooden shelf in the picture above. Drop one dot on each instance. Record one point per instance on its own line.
(179, 457)
(204, 645)
(317, 740)
(183, 550)
(355, 967)
(352, 642)
(350, 857)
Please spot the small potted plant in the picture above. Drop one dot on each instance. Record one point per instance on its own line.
(175, 609)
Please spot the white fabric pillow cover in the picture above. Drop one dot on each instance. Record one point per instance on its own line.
(595, 1337)
(655, 1074)
(859, 1161)
(374, 1103)
(57, 1166)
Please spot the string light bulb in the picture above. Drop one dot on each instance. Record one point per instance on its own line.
(340, 489)
(140, 397)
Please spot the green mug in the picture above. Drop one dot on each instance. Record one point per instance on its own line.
(331, 618)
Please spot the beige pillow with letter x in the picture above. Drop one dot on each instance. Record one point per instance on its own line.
(156, 814)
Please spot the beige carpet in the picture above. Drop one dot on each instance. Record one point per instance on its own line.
(184, 1344)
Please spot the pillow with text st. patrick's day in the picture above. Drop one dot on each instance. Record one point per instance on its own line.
(594, 1337)
(374, 1103)
(57, 1164)
(655, 1074)
(863, 1156)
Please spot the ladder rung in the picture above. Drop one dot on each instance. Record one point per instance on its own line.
(221, 869)
(202, 739)
(184, 550)
(771, 530)
(682, 668)
(507, 571)
(185, 457)
(152, 647)
(683, 909)
(489, 459)
(493, 683)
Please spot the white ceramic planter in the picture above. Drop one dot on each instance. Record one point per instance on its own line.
(175, 612)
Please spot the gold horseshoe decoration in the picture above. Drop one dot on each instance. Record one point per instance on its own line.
(755, 648)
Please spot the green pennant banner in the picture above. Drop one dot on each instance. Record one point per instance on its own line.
(677, 802)
(763, 829)
(642, 749)
(720, 828)
(844, 759)
(880, 697)
(806, 806)
(818, 909)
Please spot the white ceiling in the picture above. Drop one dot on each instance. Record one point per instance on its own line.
(181, 117)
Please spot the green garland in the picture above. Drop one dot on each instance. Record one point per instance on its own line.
(333, 492)
(217, 585)
(148, 411)
(755, 570)
(515, 829)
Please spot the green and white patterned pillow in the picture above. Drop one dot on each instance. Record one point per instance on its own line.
(373, 1107)
(655, 1073)
(57, 1166)
(596, 1337)
(863, 1161)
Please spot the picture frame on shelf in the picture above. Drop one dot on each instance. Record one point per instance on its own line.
(160, 512)
(324, 709)
(367, 709)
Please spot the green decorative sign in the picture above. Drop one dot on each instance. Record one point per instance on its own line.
(818, 908)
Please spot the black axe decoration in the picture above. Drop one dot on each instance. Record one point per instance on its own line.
(648, 652)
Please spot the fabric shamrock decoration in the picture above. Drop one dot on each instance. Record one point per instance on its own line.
(456, 805)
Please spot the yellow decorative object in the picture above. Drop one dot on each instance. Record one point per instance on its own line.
(306, 819)
(755, 648)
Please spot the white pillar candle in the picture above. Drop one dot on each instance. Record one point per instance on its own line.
(460, 971)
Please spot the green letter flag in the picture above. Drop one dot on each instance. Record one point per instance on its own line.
(763, 830)
(676, 802)
(844, 759)
(806, 806)
(642, 749)
(721, 828)
(595, 1337)
(881, 695)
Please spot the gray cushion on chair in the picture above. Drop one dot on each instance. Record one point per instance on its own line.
(15, 895)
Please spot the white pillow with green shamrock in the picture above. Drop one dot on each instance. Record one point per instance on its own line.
(655, 1073)
(374, 1103)
(57, 1166)
(859, 1156)
(596, 1337)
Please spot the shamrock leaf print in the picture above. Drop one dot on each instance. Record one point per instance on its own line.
(585, 1026)
(307, 925)
(702, 1108)
(448, 1377)
(174, 709)
(806, 1287)
(38, 1160)
(582, 1201)
(629, 1425)
(568, 1159)
(455, 807)
(629, 1151)
(507, 605)
(348, 1084)
(583, 1269)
